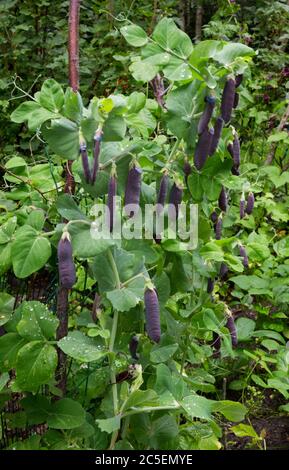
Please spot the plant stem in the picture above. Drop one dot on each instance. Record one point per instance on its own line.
(111, 348)
(73, 51)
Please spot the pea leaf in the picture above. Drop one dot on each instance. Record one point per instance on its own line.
(6, 307)
(82, 348)
(51, 96)
(65, 414)
(33, 113)
(35, 365)
(30, 251)
(134, 35)
(36, 321)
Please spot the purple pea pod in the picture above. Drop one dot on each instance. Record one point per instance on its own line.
(236, 151)
(244, 255)
(214, 217)
(242, 208)
(210, 285)
(133, 345)
(85, 162)
(232, 329)
(250, 203)
(218, 229)
(152, 312)
(187, 169)
(223, 271)
(228, 97)
(219, 124)
(238, 80)
(133, 188)
(112, 188)
(203, 147)
(96, 151)
(236, 100)
(223, 200)
(230, 149)
(162, 192)
(175, 199)
(207, 114)
(66, 268)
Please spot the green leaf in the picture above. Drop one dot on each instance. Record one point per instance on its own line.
(211, 187)
(6, 261)
(233, 262)
(245, 328)
(195, 186)
(205, 50)
(73, 106)
(210, 320)
(4, 379)
(32, 112)
(127, 297)
(51, 96)
(250, 283)
(36, 219)
(285, 408)
(68, 209)
(269, 334)
(142, 71)
(170, 37)
(143, 122)
(30, 251)
(135, 102)
(277, 136)
(84, 246)
(197, 407)
(177, 70)
(35, 365)
(114, 128)
(134, 35)
(32, 443)
(163, 287)
(163, 353)
(180, 104)
(37, 322)
(10, 344)
(63, 138)
(82, 348)
(141, 399)
(257, 252)
(6, 307)
(282, 247)
(66, 414)
(36, 408)
(123, 299)
(109, 425)
(212, 251)
(231, 51)
(233, 411)
(7, 230)
(244, 430)
(156, 433)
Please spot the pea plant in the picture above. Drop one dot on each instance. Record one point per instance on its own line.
(124, 358)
